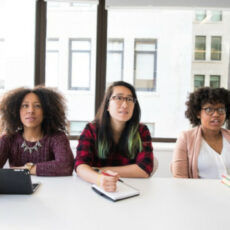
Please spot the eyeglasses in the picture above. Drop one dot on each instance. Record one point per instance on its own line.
(120, 99)
(210, 111)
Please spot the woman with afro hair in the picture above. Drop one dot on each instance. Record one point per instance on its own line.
(204, 151)
(33, 132)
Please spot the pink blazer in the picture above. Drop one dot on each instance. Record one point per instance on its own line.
(185, 155)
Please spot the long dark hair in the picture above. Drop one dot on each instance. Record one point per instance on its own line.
(53, 106)
(130, 141)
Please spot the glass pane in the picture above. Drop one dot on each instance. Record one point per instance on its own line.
(215, 81)
(216, 16)
(200, 15)
(114, 67)
(76, 127)
(198, 81)
(81, 45)
(144, 66)
(200, 48)
(145, 46)
(52, 62)
(181, 43)
(74, 25)
(80, 71)
(17, 33)
(115, 45)
(216, 48)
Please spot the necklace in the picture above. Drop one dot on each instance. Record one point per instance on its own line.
(30, 149)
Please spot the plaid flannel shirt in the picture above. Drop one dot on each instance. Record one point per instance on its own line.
(87, 152)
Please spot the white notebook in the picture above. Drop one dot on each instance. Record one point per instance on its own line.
(123, 191)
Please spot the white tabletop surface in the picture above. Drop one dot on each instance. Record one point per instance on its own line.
(165, 203)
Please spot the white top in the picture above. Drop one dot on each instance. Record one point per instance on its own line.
(211, 164)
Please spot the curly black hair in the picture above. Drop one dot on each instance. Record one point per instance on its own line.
(53, 106)
(205, 95)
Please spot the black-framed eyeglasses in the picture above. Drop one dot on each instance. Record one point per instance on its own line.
(210, 110)
(120, 99)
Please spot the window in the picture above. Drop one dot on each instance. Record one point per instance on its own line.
(166, 59)
(80, 62)
(200, 15)
(52, 62)
(115, 56)
(200, 47)
(216, 16)
(208, 16)
(145, 64)
(76, 127)
(215, 81)
(2, 63)
(71, 46)
(17, 45)
(198, 81)
(216, 48)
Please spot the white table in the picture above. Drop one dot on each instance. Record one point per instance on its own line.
(69, 203)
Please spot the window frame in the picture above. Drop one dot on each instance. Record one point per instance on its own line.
(219, 80)
(57, 51)
(198, 75)
(154, 53)
(216, 51)
(71, 51)
(201, 51)
(121, 52)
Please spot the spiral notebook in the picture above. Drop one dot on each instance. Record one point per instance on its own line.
(123, 191)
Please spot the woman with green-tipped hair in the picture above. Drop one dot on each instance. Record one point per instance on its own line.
(115, 143)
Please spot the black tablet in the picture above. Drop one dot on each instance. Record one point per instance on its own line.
(16, 181)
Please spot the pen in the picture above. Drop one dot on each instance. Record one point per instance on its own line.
(107, 174)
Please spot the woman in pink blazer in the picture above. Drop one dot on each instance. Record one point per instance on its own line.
(204, 151)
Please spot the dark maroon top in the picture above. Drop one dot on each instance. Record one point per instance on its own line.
(87, 151)
(53, 158)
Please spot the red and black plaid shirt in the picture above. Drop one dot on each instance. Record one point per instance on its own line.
(87, 151)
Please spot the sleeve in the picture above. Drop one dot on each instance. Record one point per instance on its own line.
(179, 165)
(86, 146)
(4, 150)
(144, 158)
(63, 163)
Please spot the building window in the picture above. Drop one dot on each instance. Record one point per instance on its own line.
(198, 81)
(200, 47)
(80, 62)
(216, 48)
(115, 57)
(200, 15)
(145, 60)
(216, 16)
(52, 62)
(76, 127)
(215, 81)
